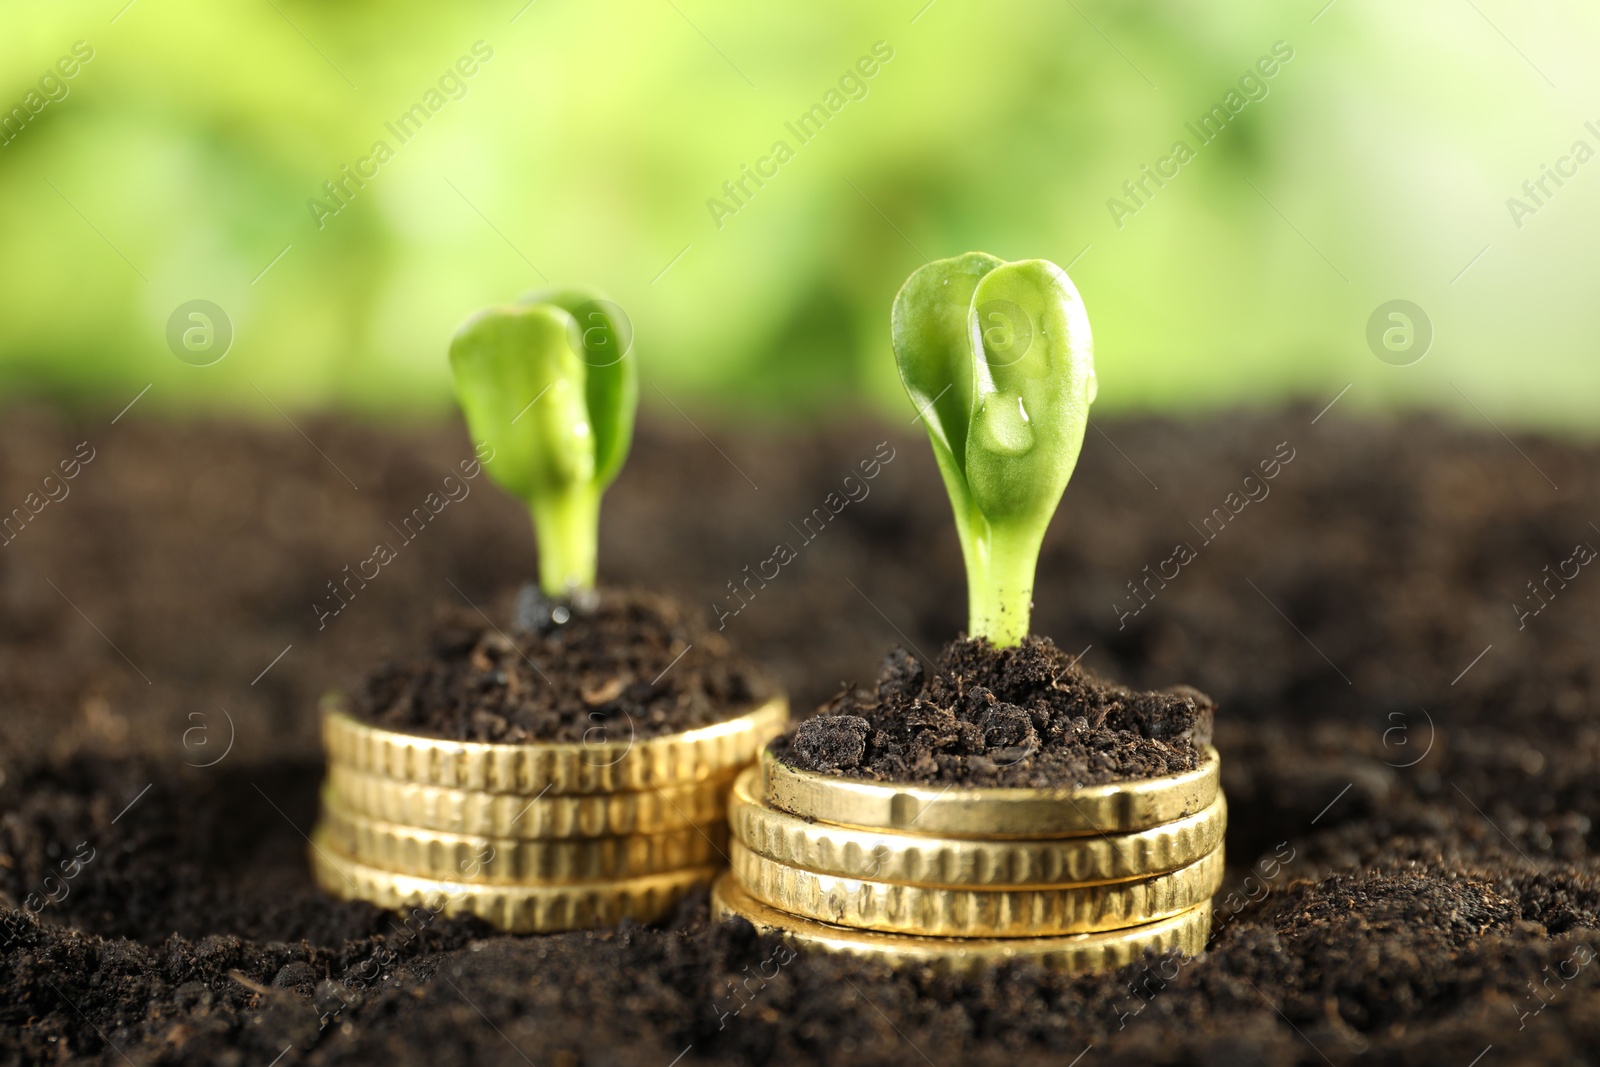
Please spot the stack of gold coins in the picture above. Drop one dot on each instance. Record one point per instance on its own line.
(530, 837)
(1080, 880)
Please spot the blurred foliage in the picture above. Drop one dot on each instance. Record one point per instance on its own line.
(181, 158)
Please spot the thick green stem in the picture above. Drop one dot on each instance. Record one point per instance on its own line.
(1000, 574)
(568, 525)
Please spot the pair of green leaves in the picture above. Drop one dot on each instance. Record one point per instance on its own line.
(550, 385)
(999, 360)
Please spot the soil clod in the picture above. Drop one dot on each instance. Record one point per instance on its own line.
(626, 665)
(987, 716)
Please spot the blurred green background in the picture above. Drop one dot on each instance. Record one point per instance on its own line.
(177, 164)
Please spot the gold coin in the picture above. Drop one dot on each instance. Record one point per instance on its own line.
(608, 765)
(459, 811)
(1074, 954)
(508, 861)
(907, 909)
(954, 811)
(962, 862)
(514, 909)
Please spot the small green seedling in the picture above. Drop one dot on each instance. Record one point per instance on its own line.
(998, 359)
(550, 385)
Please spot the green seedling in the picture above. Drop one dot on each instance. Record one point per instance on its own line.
(550, 385)
(998, 359)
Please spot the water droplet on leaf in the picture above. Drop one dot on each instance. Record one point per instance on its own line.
(1003, 428)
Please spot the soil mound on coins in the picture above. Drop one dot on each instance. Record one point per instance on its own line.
(630, 666)
(1026, 716)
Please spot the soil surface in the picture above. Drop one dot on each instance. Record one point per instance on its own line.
(1399, 626)
(629, 665)
(985, 716)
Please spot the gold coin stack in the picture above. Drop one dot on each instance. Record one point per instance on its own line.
(532, 838)
(1080, 880)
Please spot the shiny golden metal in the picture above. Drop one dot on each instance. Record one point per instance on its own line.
(894, 908)
(514, 909)
(509, 861)
(948, 862)
(953, 811)
(608, 765)
(1075, 954)
(459, 811)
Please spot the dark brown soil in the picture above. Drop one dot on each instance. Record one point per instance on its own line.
(1028, 717)
(1414, 780)
(628, 665)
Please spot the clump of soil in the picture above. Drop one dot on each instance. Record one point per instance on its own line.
(624, 664)
(987, 716)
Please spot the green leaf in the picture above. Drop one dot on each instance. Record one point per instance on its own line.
(550, 385)
(999, 360)
(928, 328)
(521, 388)
(603, 339)
(1033, 383)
